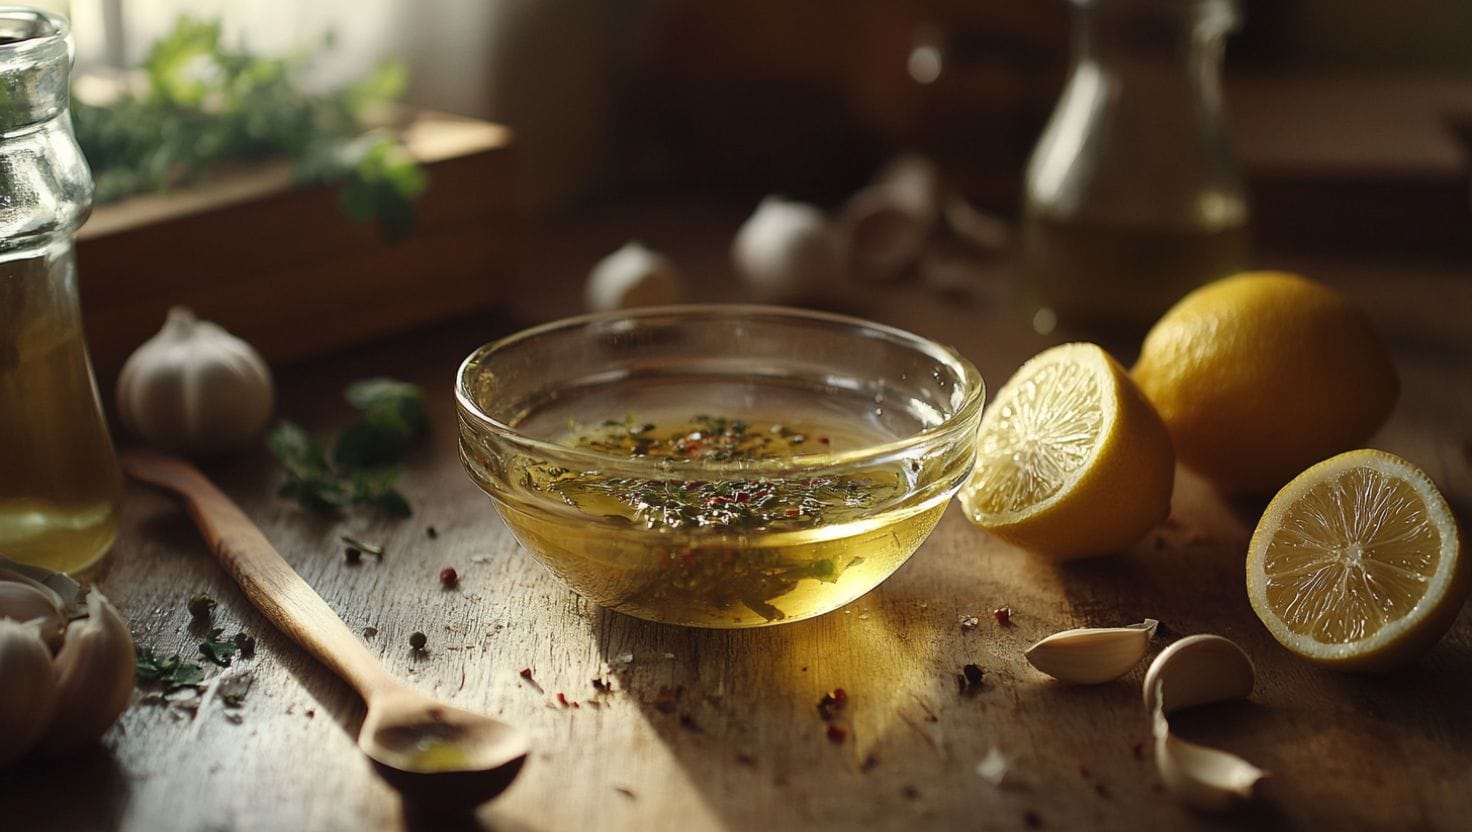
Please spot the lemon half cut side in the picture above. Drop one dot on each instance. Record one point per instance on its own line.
(1356, 563)
(1072, 460)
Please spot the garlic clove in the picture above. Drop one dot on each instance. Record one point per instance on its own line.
(632, 276)
(786, 251)
(195, 387)
(887, 225)
(1204, 778)
(1197, 670)
(1092, 655)
(34, 603)
(27, 688)
(95, 673)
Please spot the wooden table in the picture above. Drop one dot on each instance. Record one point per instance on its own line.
(720, 729)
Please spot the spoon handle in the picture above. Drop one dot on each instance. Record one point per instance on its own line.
(267, 580)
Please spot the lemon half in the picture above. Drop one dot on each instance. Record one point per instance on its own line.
(1355, 564)
(1071, 459)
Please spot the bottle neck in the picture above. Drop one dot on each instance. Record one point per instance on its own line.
(1154, 46)
(35, 66)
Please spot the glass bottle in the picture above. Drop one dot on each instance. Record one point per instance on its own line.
(60, 486)
(1132, 195)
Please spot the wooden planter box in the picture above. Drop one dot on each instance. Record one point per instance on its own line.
(281, 266)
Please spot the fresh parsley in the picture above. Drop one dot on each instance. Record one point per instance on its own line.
(173, 671)
(205, 102)
(217, 649)
(366, 457)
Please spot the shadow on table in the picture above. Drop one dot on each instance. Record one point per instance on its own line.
(83, 790)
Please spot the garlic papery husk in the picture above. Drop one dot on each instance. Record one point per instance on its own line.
(27, 688)
(95, 673)
(36, 604)
(632, 276)
(887, 224)
(195, 387)
(786, 251)
(1194, 671)
(1092, 655)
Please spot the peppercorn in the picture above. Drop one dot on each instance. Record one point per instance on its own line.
(449, 577)
(1003, 615)
(201, 607)
(417, 640)
(352, 555)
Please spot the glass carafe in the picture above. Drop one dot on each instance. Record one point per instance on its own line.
(1132, 195)
(60, 486)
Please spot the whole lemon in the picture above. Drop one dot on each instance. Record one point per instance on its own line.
(1260, 375)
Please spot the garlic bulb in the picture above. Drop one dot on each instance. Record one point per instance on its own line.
(22, 599)
(95, 673)
(195, 387)
(786, 251)
(632, 276)
(27, 688)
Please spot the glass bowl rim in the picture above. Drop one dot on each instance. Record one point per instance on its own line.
(816, 463)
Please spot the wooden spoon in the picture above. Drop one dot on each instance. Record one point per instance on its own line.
(423, 747)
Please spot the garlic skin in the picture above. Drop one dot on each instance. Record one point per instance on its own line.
(632, 276)
(34, 603)
(27, 688)
(196, 388)
(1195, 671)
(787, 251)
(1092, 655)
(95, 673)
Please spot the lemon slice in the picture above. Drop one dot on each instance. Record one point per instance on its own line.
(1071, 459)
(1355, 564)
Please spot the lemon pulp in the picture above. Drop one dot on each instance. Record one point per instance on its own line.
(1353, 555)
(1044, 434)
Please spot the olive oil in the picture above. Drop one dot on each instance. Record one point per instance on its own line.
(1117, 280)
(693, 547)
(60, 486)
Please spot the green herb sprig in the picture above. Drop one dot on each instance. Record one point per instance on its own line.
(366, 457)
(173, 671)
(206, 102)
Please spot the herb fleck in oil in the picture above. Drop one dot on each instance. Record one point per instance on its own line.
(689, 546)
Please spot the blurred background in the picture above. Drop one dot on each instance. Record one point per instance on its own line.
(810, 98)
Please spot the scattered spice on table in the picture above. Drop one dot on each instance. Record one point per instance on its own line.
(417, 641)
(968, 622)
(311, 713)
(1102, 790)
(564, 701)
(910, 793)
(689, 724)
(969, 680)
(449, 578)
(431, 532)
(246, 643)
(1003, 615)
(361, 547)
(173, 672)
(370, 632)
(601, 685)
(870, 763)
(526, 673)
(201, 607)
(837, 734)
(625, 791)
(353, 555)
(831, 703)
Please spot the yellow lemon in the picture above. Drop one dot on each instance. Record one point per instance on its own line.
(1071, 459)
(1260, 375)
(1355, 564)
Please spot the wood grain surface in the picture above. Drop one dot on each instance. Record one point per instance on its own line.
(720, 729)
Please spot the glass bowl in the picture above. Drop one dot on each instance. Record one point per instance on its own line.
(722, 465)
